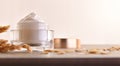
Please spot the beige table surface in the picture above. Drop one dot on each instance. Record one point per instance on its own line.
(68, 59)
(115, 54)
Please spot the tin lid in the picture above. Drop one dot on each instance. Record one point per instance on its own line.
(32, 21)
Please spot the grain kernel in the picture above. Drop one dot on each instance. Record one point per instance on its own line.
(93, 51)
(69, 51)
(104, 52)
(60, 53)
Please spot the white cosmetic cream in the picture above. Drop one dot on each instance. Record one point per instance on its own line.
(32, 31)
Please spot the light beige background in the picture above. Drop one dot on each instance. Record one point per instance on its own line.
(93, 21)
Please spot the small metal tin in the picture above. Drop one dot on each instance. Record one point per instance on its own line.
(66, 43)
